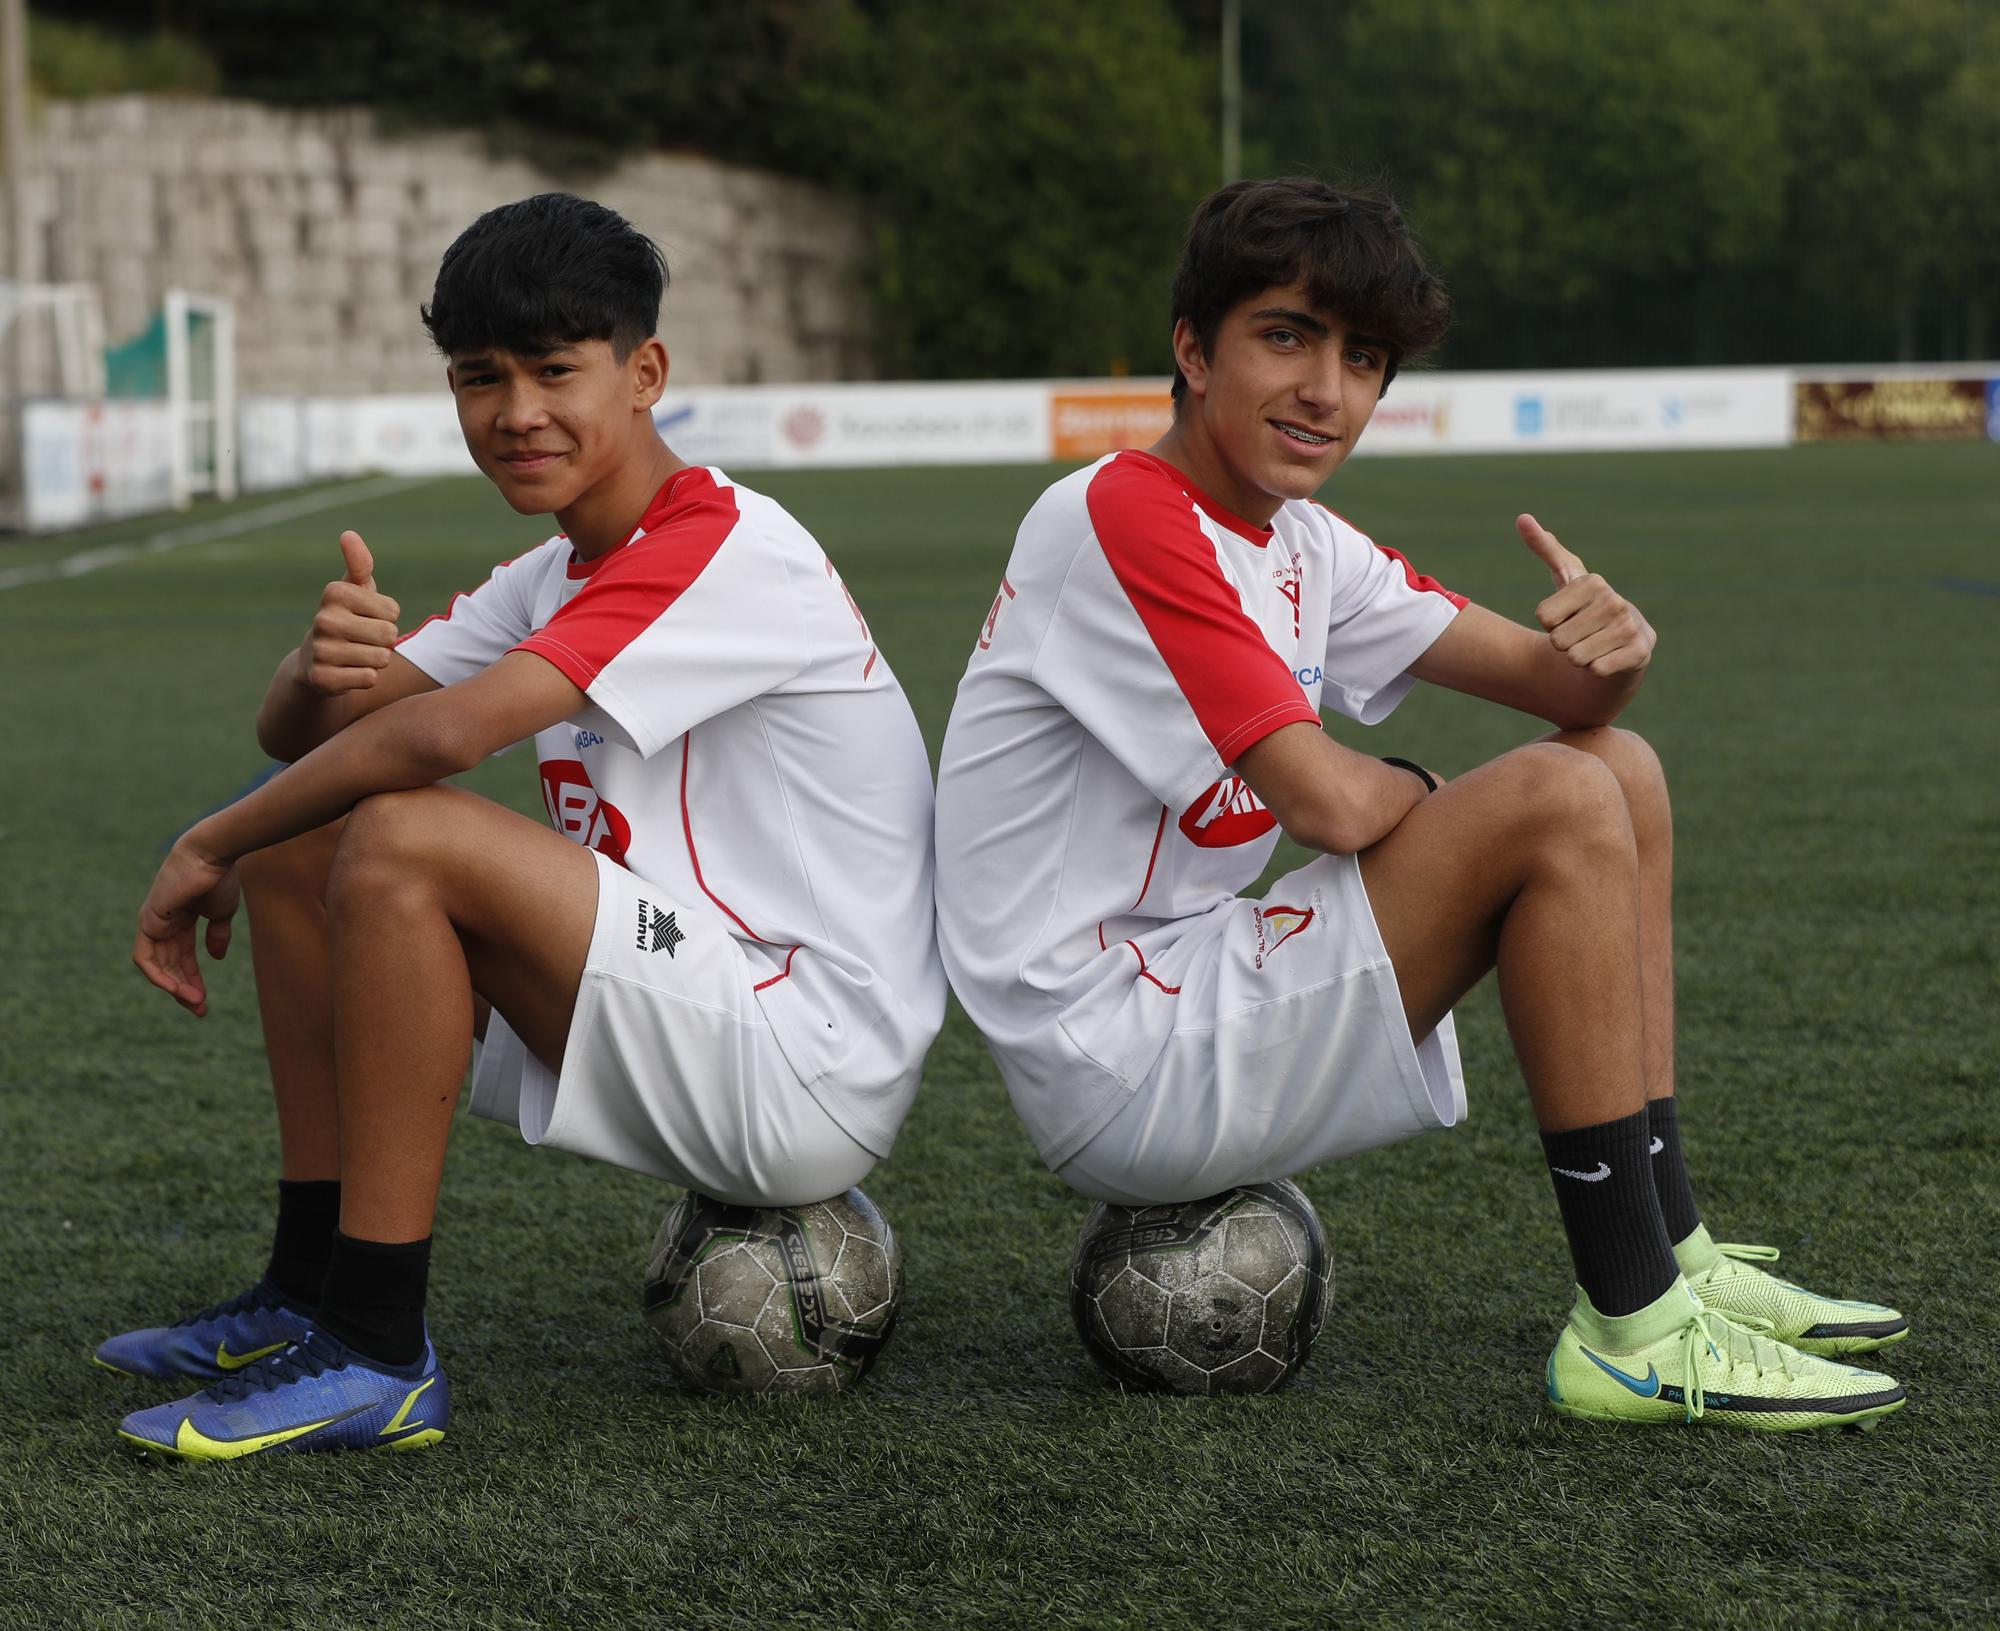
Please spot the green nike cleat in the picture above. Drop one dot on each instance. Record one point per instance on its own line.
(1721, 1274)
(1678, 1361)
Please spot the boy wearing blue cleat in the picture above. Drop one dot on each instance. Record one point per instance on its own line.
(723, 972)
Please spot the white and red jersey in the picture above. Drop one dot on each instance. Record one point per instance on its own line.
(744, 744)
(1088, 822)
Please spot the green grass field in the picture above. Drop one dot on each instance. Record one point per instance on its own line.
(1824, 698)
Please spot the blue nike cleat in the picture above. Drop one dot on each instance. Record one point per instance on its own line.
(212, 1344)
(318, 1394)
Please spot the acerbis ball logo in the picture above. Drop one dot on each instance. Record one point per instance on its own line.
(576, 811)
(1226, 815)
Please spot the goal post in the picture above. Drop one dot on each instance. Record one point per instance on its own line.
(201, 394)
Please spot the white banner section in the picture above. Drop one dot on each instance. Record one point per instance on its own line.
(1583, 411)
(286, 440)
(83, 462)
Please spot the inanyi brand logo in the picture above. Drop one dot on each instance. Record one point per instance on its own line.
(1277, 924)
(657, 930)
(1226, 815)
(576, 811)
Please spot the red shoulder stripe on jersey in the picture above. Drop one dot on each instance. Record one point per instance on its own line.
(1239, 688)
(632, 586)
(1259, 536)
(444, 616)
(1416, 579)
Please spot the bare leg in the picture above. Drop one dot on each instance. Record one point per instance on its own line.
(1644, 784)
(284, 891)
(433, 893)
(1528, 864)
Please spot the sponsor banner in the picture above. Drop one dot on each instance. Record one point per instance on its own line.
(910, 424)
(734, 429)
(1993, 410)
(94, 461)
(1582, 411)
(1894, 409)
(1088, 421)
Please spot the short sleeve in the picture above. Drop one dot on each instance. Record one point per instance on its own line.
(680, 625)
(1384, 616)
(477, 629)
(1150, 648)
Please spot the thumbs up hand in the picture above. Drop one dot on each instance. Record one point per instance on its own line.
(1588, 621)
(354, 630)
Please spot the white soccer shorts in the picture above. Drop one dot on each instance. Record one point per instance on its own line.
(1290, 1049)
(669, 1068)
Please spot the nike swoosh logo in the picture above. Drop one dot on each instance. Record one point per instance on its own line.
(1647, 1386)
(229, 1361)
(1603, 1171)
(192, 1441)
(1658, 1145)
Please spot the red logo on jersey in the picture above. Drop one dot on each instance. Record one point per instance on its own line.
(1288, 580)
(1226, 815)
(986, 634)
(577, 812)
(1277, 924)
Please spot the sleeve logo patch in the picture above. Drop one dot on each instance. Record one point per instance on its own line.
(1228, 814)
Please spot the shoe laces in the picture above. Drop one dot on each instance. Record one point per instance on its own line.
(1732, 1340)
(313, 1355)
(258, 1296)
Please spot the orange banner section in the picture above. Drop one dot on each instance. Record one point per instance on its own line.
(1086, 425)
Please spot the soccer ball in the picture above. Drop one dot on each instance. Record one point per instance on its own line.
(1223, 1295)
(774, 1299)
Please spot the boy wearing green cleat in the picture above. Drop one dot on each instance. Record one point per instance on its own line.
(1141, 717)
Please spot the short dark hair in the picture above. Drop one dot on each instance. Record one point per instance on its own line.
(1350, 247)
(548, 271)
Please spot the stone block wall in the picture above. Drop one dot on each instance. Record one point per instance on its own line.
(326, 233)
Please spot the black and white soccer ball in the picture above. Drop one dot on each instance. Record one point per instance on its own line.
(1223, 1295)
(784, 1299)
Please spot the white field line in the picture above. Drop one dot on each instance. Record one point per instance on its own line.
(203, 532)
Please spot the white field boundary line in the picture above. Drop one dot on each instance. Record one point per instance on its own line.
(207, 532)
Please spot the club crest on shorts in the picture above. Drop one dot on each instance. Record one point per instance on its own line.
(657, 929)
(1277, 924)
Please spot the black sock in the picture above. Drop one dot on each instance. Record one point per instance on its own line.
(1670, 1173)
(308, 1213)
(1604, 1185)
(374, 1297)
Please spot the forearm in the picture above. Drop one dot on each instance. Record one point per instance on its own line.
(1573, 698)
(293, 718)
(1325, 796)
(398, 748)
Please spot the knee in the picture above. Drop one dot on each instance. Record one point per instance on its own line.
(1642, 780)
(390, 840)
(1573, 803)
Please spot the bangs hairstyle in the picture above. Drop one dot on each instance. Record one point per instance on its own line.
(1351, 249)
(549, 271)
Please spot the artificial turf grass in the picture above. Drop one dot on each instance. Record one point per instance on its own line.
(1819, 705)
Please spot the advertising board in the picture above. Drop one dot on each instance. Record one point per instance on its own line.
(1088, 421)
(94, 461)
(1893, 409)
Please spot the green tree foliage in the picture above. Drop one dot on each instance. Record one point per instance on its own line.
(1031, 167)
(1643, 183)
(1600, 181)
